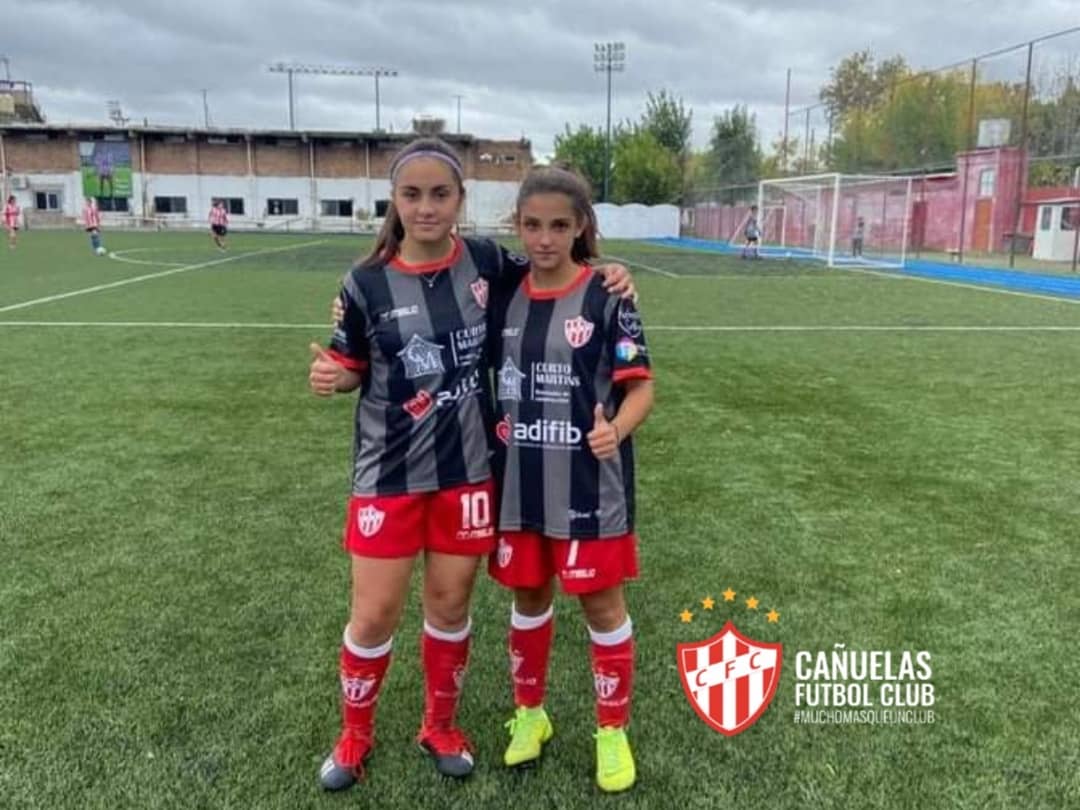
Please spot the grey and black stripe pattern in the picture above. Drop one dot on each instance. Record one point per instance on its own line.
(556, 359)
(424, 415)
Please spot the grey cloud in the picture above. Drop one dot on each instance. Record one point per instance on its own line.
(523, 68)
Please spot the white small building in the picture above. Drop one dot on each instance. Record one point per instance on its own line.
(1056, 229)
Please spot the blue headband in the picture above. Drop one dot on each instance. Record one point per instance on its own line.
(449, 160)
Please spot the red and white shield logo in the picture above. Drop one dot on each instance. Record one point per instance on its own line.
(605, 684)
(577, 331)
(369, 520)
(356, 689)
(480, 292)
(729, 679)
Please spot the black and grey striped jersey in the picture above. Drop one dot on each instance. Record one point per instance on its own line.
(559, 353)
(418, 335)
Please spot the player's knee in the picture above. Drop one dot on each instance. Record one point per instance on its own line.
(605, 611)
(371, 624)
(447, 610)
(532, 601)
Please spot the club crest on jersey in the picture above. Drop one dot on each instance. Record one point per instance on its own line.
(480, 292)
(356, 689)
(369, 520)
(605, 685)
(419, 406)
(510, 378)
(578, 331)
(729, 679)
(421, 358)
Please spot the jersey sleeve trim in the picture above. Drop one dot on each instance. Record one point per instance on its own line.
(350, 363)
(636, 373)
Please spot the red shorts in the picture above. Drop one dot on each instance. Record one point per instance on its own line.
(452, 521)
(530, 560)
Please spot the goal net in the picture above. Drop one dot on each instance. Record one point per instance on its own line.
(845, 220)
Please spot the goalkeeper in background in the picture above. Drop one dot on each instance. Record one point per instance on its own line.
(751, 235)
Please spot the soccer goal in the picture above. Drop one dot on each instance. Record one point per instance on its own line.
(845, 220)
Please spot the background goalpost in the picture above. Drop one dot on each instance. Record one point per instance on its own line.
(818, 217)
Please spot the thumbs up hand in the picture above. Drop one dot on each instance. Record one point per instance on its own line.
(604, 437)
(325, 372)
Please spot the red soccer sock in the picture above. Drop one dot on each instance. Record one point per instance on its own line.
(530, 648)
(362, 670)
(446, 658)
(613, 674)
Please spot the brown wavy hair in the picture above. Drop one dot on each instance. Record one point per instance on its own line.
(564, 180)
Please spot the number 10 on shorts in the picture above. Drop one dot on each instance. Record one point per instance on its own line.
(475, 510)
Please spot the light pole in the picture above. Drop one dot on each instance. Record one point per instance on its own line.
(459, 98)
(608, 57)
(331, 70)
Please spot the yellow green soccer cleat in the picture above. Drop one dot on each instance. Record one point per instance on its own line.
(529, 728)
(615, 769)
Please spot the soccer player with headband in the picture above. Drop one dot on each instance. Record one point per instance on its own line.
(412, 336)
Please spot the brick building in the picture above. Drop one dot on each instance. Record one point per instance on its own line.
(269, 178)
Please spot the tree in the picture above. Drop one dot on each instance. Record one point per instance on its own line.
(584, 151)
(858, 83)
(645, 171)
(734, 156)
(670, 123)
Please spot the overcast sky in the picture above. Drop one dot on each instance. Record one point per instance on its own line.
(522, 68)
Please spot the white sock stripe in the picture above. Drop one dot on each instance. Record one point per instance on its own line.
(448, 635)
(616, 636)
(367, 652)
(520, 621)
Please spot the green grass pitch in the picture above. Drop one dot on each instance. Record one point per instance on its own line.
(889, 464)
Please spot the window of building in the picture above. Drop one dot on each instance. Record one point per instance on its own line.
(335, 208)
(1045, 218)
(113, 204)
(509, 158)
(47, 200)
(279, 207)
(1070, 218)
(986, 182)
(170, 205)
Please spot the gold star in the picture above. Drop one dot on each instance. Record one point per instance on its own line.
(772, 616)
(686, 617)
(752, 603)
(707, 603)
(729, 595)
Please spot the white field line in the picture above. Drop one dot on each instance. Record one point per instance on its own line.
(979, 287)
(149, 276)
(122, 256)
(650, 268)
(654, 328)
(880, 273)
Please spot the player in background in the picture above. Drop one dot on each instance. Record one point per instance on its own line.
(574, 383)
(11, 221)
(91, 217)
(858, 236)
(219, 224)
(751, 235)
(412, 336)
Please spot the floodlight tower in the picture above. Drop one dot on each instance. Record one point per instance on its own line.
(331, 70)
(608, 57)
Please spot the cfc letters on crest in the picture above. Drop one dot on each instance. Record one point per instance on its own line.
(729, 679)
(369, 520)
(578, 331)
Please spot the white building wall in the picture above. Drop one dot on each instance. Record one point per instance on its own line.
(487, 202)
(635, 221)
